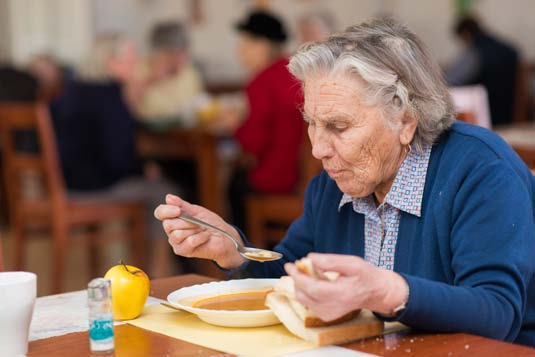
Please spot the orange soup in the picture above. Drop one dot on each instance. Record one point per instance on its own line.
(248, 300)
(260, 255)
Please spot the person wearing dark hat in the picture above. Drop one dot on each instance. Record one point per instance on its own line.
(271, 134)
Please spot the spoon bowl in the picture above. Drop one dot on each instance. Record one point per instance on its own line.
(256, 254)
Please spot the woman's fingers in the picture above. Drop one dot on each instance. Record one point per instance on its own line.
(344, 264)
(185, 245)
(163, 212)
(359, 285)
(175, 224)
(190, 240)
(312, 288)
(318, 295)
(174, 200)
(185, 206)
(177, 236)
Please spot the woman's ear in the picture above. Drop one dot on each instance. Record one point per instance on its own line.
(408, 128)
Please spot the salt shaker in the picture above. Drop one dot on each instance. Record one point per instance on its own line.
(101, 336)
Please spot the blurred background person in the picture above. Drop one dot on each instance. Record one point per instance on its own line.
(270, 136)
(96, 138)
(164, 92)
(489, 61)
(52, 77)
(51, 74)
(16, 84)
(315, 26)
(171, 82)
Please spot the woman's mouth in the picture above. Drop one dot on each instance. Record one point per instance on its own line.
(334, 173)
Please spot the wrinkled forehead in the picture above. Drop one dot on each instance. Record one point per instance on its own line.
(332, 92)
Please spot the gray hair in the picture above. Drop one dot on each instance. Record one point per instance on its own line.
(169, 36)
(399, 74)
(93, 67)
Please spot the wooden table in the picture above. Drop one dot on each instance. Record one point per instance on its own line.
(134, 341)
(195, 144)
(522, 139)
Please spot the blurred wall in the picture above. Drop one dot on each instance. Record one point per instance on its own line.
(61, 27)
(4, 31)
(66, 26)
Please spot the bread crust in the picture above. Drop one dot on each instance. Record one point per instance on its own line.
(285, 286)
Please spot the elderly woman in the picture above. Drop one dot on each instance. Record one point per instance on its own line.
(429, 221)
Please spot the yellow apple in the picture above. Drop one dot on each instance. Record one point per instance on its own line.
(130, 288)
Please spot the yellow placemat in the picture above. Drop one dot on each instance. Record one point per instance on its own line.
(255, 341)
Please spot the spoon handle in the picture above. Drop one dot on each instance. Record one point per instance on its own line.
(204, 224)
(166, 304)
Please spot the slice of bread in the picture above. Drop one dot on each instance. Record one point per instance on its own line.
(285, 286)
(305, 266)
(365, 325)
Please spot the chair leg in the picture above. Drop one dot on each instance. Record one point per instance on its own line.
(137, 237)
(60, 241)
(92, 242)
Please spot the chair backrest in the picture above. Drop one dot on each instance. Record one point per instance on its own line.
(22, 164)
(467, 117)
(521, 100)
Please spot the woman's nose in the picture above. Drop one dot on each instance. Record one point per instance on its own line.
(321, 146)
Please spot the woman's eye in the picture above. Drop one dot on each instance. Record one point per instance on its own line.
(338, 127)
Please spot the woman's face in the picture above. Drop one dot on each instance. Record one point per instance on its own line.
(357, 147)
(254, 53)
(124, 64)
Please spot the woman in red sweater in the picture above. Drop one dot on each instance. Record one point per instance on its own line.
(271, 135)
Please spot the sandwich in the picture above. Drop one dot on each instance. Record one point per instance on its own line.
(302, 322)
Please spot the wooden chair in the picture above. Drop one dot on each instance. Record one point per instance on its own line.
(521, 100)
(467, 117)
(269, 216)
(53, 208)
(527, 154)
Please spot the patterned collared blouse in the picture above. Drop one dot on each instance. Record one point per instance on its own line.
(381, 223)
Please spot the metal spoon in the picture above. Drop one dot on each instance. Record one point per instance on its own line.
(260, 255)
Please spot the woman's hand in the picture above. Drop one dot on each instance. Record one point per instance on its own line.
(360, 285)
(193, 241)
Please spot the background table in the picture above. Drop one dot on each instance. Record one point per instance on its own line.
(196, 144)
(133, 341)
(522, 138)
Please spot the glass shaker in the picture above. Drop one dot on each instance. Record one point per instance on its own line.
(101, 336)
